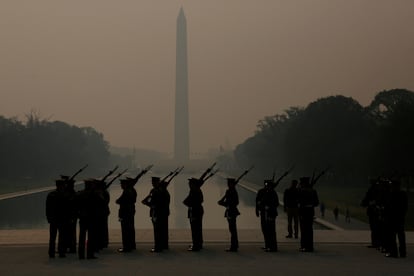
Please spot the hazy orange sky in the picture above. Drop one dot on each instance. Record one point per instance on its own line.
(111, 64)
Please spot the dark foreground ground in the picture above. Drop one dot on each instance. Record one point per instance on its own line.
(329, 259)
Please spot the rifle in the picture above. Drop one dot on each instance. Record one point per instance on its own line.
(282, 176)
(78, 172)
(210, 175)
(209, 169)
(141, 173)
(315, 179)
(207, 174)
(109, 174)
(113, 179)
(243, 174)
(172, 175)
(273, 175)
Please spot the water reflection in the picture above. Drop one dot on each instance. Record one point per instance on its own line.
(213, 190)
(24, 212)
(28, 212)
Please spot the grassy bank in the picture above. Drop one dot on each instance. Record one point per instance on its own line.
(350, 197)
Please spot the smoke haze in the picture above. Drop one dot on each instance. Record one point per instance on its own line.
(111, 64)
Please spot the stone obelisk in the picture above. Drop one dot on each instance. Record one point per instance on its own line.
(182, 136)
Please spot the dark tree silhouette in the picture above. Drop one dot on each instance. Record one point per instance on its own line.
(39, 149)
(356, 141)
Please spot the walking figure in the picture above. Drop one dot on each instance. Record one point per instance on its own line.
(347, 215)
(291, 207)
(322, 209)
(336, 212)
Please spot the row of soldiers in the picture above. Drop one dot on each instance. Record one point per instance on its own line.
(299, 202)
(90, 206)
(386, 206)
(65, 207)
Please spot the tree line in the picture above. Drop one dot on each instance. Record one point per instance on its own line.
(40, 149)
(356, 142)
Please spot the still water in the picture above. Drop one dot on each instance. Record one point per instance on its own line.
(28, 212)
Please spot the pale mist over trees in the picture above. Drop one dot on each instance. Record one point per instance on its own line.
(356, 142)
(40, 149)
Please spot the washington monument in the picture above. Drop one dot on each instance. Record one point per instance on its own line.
(182, 136)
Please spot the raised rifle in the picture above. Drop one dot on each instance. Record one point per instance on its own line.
(273, 176)
(281, 177)
(206, 172)
(109, 174)
(113, 179)
(210, 175)
(164, 179)
(78, 172)
(141, 173)
(243, 174)
(172, 175)
(315, 179)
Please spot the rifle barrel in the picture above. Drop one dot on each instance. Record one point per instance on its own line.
(78, 172)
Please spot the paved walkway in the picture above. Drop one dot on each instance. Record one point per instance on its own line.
(328, 259)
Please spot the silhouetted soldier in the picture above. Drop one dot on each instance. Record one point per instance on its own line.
(126, 215)
(336, 212)
(127, 208)
(70, 194)
(164, 213)
(385, 190)
(308, 200)
(371, 201)
(230, 200)
(267, 202)
(395, 210)
(291, 207)
(58, 216)
(102, 215)
(194, 202)
(153, 200)
(87, 202)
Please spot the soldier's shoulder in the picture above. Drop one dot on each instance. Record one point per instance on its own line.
(52, 194)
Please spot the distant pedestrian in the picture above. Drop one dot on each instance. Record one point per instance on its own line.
(322, 209)
(336, 212)
(347, 215)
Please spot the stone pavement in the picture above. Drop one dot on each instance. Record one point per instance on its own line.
(328, 259)
(24, 252)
